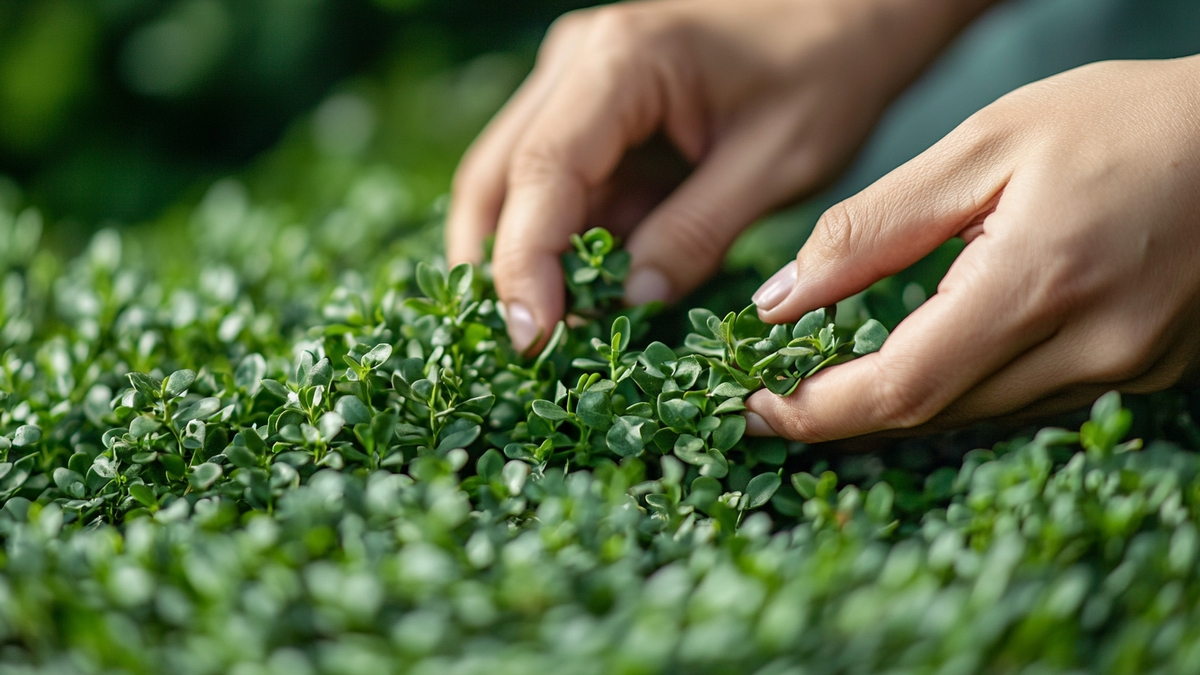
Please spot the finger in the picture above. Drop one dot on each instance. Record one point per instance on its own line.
(1083, 360)
(980, 320)
(892, 224)
(683, 241)
(481, 177)
(572, 144)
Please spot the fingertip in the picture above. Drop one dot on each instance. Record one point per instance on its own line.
(647, 285)
(522, 327)
(757, 426)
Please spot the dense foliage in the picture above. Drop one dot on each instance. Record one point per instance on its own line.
(245, 447)
(272, 433)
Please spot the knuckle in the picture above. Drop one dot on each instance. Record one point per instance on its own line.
(985, 133)
(694, 235)
(901, 403)
(795, 423)
(564, 30)
(838, 233)
(617, 25)
(534, 164)
(1129, 356)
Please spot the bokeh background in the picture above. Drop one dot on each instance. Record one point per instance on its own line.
(114, 112)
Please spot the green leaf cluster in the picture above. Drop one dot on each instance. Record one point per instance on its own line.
(344, 467)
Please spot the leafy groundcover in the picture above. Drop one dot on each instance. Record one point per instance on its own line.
(234, 444)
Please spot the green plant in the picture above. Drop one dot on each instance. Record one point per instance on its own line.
(343, 466)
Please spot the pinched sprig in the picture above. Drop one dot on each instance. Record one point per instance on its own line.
(595, 272)
(777, 357)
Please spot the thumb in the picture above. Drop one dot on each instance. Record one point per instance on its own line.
(892, 224)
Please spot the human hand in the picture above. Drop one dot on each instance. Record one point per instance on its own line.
(1078, 197)
(768, 98)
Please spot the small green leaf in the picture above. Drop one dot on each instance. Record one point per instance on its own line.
(178, 382)
(378, 354)
(729, 433)
(204, 475)
(624, 437)
(26, 435)
(805, 484)
(459, 281)
(431, 282)
(730, 390)
(458, 439)
(598, 241)
(143, 494)
(383, 426)
(620, 329)
(690, 449)
(65, 479)
(276, 389)
(146, 385)
(200, 410)
(241, 456)
(809, 324)
(514, 474)
(699, 318)
(330, 425)
(879, 501)
(550, 411)
(595, 410)
(250, 373)
(869, 337)
(490, 464)
(353, 410)
(761, 488)
(585, 275)
(678, 413)
(704, 492)
(687, 372)
(480, 405)
(321, 374)
(143, 425)
(657, 355)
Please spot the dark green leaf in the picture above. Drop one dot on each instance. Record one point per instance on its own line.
(550, 411)
(729, 433)
(431, 282)
(624, 437)
(204, 475)
(869, 338)
(143, 494)
(26, 435)
(595, 410)
(805, 484)
(677, 413)
(761, 488)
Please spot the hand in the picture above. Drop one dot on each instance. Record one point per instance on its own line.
(1079, 199)
(768, 98)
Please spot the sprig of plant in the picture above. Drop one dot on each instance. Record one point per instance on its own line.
(595, 272)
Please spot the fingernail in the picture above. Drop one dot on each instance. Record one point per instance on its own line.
(757, 426)
(776, 288)
(647, 285)
(521, 327)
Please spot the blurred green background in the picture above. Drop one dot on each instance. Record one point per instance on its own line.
(113, 111)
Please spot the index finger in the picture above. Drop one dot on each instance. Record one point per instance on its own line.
(594, 115)
(980, 319)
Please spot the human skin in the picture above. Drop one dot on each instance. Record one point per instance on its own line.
(766, 99)
(1079, 197)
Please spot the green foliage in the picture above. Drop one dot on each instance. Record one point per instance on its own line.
(343, 466)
